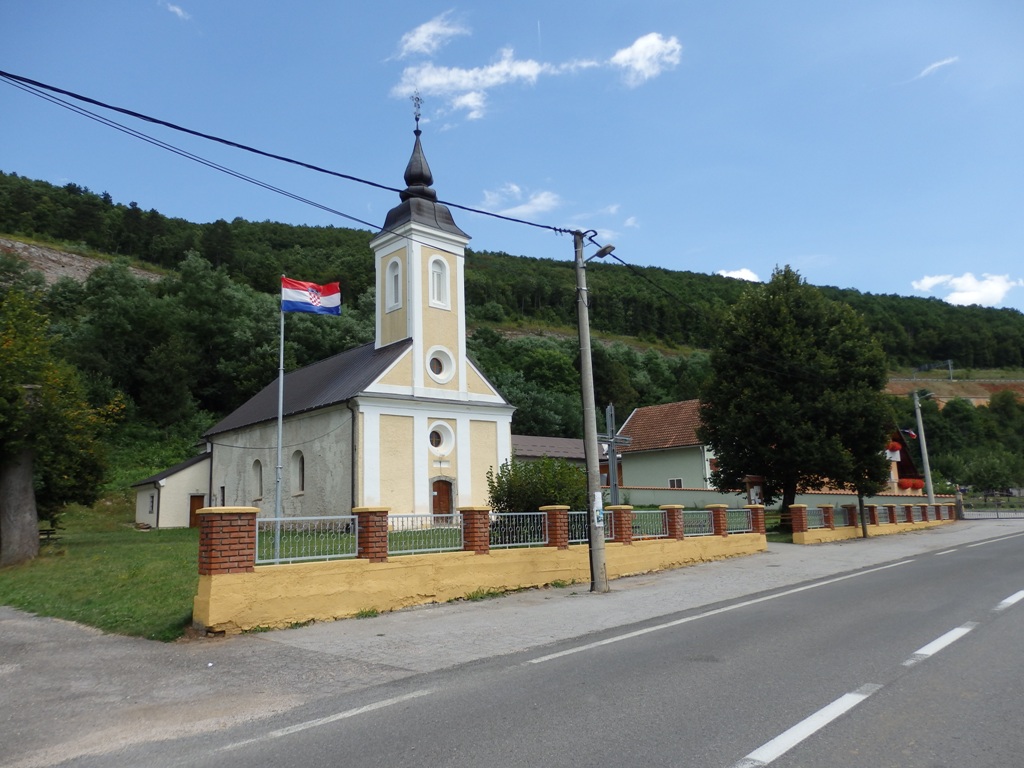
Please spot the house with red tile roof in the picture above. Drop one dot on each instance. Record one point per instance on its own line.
(665, 452)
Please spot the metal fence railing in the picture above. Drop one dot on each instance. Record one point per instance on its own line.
(699, 522)
(579, 523)
(650, 524)
(815, 518)
(409, 534)
(297, 539)
(519, 529)
(841, 517)
(916, 514)
(740, 520)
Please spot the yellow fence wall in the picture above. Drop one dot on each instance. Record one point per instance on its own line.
(282, 595)
(823, 535)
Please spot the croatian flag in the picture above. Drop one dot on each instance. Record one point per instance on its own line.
(297, 296)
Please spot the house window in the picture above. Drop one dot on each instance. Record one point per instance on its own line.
(675, 482)
(152, 503)
(439, 283)
(257, 480)
(298, 473)
(393, 285)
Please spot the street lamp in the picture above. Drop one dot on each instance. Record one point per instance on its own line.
(928, 489)
(595, 513)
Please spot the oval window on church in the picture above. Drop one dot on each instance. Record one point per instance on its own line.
(440, 365)
(442, 439)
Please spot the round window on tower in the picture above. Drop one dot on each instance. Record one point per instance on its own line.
(440, 365)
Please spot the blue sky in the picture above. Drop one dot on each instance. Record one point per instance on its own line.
(869, 144)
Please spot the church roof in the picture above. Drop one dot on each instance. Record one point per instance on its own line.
(173, 470)
(534, 447)
(328, 382)
(419, 200)
(660, 427)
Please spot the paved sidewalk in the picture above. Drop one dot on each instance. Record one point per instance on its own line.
(68, 690)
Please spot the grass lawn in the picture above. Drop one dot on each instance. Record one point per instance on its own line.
(108, 575)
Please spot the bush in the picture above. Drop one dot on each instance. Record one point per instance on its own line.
(526, 486)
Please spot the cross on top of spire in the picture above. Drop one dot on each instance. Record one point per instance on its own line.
(417, 102)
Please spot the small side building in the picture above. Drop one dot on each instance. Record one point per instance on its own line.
(665, 452)
(169, 499)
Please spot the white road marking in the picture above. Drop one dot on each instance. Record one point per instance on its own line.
(329, 719)
(993, 541)
(948, 551)
(786, 740)
(1015, 597)
(939, 643)
(715, 612)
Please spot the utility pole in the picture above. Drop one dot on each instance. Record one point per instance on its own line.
(613, 441)
(924, 450)
(595, 507)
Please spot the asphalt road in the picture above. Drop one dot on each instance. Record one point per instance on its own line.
(907, 660)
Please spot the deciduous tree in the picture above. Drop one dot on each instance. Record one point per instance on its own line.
(795, 394)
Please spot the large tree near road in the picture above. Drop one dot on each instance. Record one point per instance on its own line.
(796, 394)
(49, 454)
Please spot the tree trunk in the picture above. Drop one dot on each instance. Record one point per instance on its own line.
(19, 522)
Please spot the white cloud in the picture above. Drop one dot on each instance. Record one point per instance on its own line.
(430, 36)
(966, 289)
(465, 89)
(934, 67)
(473, 102)
(538, 202)
(631, 222)
(928, 282)
(178, 11)
(647, 57)
(455, 82)
(508, 200)
(740, 274)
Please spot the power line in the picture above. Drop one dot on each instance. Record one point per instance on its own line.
(14, 79)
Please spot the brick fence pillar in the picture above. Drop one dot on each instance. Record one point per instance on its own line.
(476, 529)
(798, 513)
(674, 521)
(872, 514)
(227, 540)
(372, 542)
(622, 522)
(756, 517)
(851, 514)
(558, 525)
(890, 510)
(719, 518)
(828, 516)
(925, 517)
(908, 513)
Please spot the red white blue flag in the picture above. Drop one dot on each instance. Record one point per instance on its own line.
(297, 296)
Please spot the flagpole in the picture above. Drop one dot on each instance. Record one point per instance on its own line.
(280, 431)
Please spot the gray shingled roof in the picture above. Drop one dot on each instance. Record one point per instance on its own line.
(173, 470)
(533, 447)
(328, 382)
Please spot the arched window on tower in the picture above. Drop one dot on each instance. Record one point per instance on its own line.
(439, 283)
(393, 285)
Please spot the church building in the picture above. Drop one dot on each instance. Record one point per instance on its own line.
(407, 422)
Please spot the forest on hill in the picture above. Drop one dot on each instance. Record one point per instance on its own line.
(184, 350)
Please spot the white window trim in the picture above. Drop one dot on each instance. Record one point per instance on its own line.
(440, 302)
(447, 364)
(393, 293)
(447, 439)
